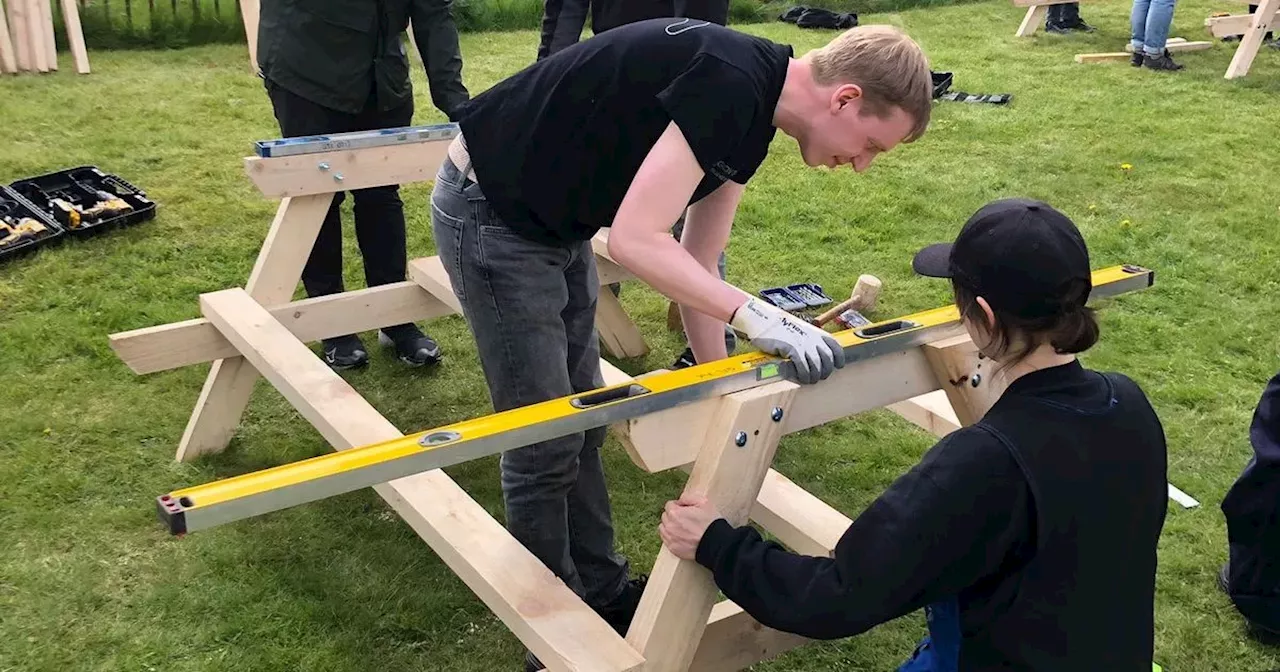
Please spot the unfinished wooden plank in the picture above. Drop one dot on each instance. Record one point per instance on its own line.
(737, 452)
(1104, 56)
(539, 608)
(75, 35)
(429, 273)
(46, 24)
(609, 272)
(931, 412)
(249, 11)
(969, 380)
(621, 336)
(346, 169)
(670, 439)
(1228, 26)
(1178, 46)
(1252, 39)
(17, 10)
(274, 277)
(800, 520)
(35, 36)
(189, 342)
(8, 59)
(1033, 19)
(734, 641)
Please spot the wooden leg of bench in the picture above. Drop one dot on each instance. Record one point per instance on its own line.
(1033, 19)
(731, 467)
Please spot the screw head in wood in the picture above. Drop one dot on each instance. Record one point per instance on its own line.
(776, 414)
(740, 439)
(324, 166)
(337, 177)
(977, 378)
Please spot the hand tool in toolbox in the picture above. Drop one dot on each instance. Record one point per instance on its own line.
(23, 227)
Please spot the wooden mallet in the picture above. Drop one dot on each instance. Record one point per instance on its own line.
(863, 297)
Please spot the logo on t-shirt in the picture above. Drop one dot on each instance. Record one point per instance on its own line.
(684, 25)
(722, 170)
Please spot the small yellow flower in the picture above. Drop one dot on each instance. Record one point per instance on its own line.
(1093, 206)
(1124, 223)
(1126, 166)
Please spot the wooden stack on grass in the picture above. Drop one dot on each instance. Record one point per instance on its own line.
(26, 36)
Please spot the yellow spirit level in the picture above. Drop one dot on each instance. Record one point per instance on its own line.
(308, 480)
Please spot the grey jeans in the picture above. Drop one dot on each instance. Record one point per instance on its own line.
(531, 309)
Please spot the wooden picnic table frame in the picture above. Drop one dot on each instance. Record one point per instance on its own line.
(258, 330)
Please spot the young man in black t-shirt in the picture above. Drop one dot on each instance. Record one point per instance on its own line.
(628, 129)
(1030, 537)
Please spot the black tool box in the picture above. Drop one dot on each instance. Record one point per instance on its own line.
(15, 212)
(86, 201)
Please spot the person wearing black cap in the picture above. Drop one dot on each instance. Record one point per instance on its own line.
(1029, 538)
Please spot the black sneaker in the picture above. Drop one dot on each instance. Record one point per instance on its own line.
(1057, 28)
(618, 615)
(1162, 62)
(411, 345)
(1136, 59)
(1080, 25)
(623, 609)
(344, 352)
(685, 360)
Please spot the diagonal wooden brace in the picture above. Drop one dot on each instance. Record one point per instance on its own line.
(738, 449)
(539, 608)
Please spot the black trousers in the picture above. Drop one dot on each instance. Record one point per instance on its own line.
(563, 20)
(1064, 13)
(1252, 511)
(379, 212)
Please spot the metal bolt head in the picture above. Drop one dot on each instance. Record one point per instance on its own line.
(776, 414)
(740, 439)
(977, 378)
(337, 177)
(324, 166)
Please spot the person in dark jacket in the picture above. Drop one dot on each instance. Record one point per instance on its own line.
(1029, 538)
(335, 67)
(1251, 576)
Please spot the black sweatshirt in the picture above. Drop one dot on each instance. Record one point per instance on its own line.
(1038, 525)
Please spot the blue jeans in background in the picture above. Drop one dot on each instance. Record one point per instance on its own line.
(1150, 22)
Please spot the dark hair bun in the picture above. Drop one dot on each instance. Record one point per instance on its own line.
(1075, 331)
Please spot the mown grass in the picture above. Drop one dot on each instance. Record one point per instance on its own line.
(89, 580)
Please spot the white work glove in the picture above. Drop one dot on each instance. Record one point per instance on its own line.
(814, 352)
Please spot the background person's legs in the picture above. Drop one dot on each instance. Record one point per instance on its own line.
(1154, 34)
(562, 24)
(322, 274)
(380, 232)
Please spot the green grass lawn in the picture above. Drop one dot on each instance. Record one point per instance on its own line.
(90, 581)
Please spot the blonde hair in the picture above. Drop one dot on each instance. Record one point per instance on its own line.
(886, 64)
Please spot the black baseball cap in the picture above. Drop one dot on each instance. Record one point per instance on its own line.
(1021, 255)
